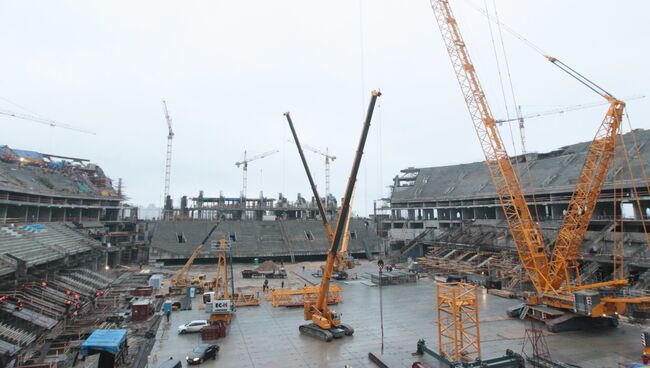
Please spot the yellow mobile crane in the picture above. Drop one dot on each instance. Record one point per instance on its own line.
(326, 323)
(182, 279)
(559, 299)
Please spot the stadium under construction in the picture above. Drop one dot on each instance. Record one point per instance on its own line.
(537, 259)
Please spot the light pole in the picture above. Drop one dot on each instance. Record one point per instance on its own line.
(380, 263)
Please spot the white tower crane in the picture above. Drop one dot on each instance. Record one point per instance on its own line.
(245, 162)
(328, 159)
(168, 160)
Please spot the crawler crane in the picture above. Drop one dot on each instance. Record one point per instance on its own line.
(326, 323)
(182, 279)
(559, 299)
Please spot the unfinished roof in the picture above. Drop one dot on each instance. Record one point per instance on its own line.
(42, 174)
(555, 171)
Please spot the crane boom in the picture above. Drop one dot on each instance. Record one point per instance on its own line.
(314, 189)
(181, 278)
(527, 237)
(326, 324)
(321, 303)
(44, 121)
(590, 183)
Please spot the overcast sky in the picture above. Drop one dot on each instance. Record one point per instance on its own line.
(230, 69)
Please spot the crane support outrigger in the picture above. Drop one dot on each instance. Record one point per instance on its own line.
(326, 323)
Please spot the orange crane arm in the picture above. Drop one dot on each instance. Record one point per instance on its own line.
(346, 232)
(527, 237)
(590, 183)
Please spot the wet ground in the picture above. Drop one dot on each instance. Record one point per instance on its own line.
(264, 336)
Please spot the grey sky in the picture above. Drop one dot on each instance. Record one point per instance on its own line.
(230, 69)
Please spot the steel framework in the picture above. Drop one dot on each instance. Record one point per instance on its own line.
(459, 335)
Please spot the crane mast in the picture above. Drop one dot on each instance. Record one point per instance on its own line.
(168, 162)
(527, 237)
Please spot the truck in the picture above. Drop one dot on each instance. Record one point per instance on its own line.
(280, 273)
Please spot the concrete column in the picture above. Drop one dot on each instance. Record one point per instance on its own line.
(65, 214)
(3, 213)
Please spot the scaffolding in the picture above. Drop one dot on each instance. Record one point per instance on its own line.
(458, 324)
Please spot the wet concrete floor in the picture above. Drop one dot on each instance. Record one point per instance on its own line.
(264, 336)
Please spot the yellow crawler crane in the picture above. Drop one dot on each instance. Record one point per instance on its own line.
(326, 323)
(559, 300)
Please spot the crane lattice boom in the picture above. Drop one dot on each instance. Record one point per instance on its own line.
(527, 237)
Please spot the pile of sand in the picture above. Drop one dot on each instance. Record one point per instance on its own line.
(267, 266)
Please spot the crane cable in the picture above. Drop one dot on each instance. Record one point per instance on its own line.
(518, 36)
(632, 179)
(514, 100)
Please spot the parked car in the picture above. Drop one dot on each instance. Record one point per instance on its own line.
(171, 363)
(194, 326)
(202, 353)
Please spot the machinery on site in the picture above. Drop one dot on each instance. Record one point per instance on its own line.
(343, 262)
(560, 299)
(326, 323)
(219, 303)
(280, 273)
(182, 279)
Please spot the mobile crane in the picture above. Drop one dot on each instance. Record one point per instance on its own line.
(326, 323)
(559, 299)
(181, 279)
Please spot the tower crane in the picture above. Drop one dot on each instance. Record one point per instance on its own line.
(167, 206)
(244, 164)
(328, 159)
(326, 323)
(555, 292)
(521, 118)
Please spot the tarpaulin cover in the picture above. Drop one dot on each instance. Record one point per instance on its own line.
(28, 154)
(106, 340)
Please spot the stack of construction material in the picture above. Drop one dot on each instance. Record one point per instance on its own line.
(214, 331)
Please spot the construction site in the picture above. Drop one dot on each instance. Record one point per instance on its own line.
(519, 258)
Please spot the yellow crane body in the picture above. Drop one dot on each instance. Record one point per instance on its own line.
(555, 285)
(326, 323)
